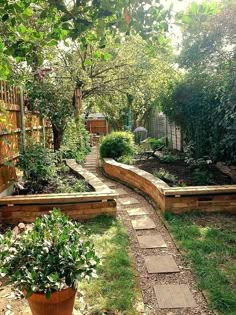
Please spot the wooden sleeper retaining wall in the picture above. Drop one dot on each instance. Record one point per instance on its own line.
(80, 206)
(175, 199)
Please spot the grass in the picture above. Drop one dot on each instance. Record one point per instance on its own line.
(209, 244)
(115, 290)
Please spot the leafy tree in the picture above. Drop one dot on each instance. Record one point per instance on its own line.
(52, 98)
(204, 101)
(28, 28)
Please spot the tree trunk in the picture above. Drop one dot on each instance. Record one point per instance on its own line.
(57, 137)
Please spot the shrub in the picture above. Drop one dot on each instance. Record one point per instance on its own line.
(37, 163)
(126, 159)
(117, 144)
(75, 143)
(156, 143)
(52, 255)
(165, 175)
(168, 158)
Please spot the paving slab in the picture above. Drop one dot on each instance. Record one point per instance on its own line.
(137, 211)
(143, 223)
(128, 201)
(161, 264)
(110, 184)
(174, 296)
(121, 191)
(151, 241)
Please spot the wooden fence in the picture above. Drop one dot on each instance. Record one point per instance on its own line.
(11, 132)
(159, 126)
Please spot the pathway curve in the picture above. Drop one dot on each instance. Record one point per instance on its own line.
(167, 284)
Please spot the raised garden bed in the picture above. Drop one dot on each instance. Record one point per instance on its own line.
(182, 174)
(176, 199)
(81, 206)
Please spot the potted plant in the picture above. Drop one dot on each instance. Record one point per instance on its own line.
(47, 260)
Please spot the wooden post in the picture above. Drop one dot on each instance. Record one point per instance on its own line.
(22, 118)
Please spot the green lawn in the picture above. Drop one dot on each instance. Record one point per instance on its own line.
(115, 289)
(209, 243)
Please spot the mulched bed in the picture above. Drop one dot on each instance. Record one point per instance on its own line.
(65, 181)
(183, 172)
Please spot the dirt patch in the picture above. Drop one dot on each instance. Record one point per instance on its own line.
(184, 173)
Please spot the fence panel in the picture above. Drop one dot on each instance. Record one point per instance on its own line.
(10, 133)
(159, 126)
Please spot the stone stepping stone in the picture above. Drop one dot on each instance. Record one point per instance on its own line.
(121, 191)
(128, 201)
(110, 184)
(143, 223)
(137, 211)
(174, 296)
(161, 264)
(151, 241)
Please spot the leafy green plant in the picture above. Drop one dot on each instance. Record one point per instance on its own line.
(126, 159)
(53, 254)
(156, 143)
(37, 163)
(165, 175)
(75, 143)
(168, 158)
(201, 176)
(117, 144)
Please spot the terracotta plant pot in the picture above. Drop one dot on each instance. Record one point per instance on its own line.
(60, 303)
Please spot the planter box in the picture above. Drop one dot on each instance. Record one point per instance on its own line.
(80, 206)
(175, 199)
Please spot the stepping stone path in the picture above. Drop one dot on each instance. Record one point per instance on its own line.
(151, 241)
(143, 223)
(167, 289)
(161, 264)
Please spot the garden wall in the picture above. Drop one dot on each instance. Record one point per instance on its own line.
(175, 199)
(11, 132)
(80, 206)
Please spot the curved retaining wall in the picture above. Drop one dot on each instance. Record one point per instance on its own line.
(175, 199)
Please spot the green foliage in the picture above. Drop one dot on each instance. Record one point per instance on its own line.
(155, 144)
(75, 143)
(165, 175)
(208, 241)
(37, 163)
(117, 144)
(203, 102)
(201, 176)
(29, 29)
(126, 159)
(168, 158)
(51, 255)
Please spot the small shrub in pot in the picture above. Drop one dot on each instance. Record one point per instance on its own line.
(48, 258)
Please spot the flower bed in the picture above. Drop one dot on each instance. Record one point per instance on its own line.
(176, 199)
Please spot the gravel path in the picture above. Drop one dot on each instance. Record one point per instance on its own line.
(146, 280)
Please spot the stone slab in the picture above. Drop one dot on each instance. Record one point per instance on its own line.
(137, 211)
(121, 191)
(161, 264)
(174, 296)
(143, 223)
(128, 201)
(151, 241)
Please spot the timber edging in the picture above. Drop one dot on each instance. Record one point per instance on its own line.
(79, 206)
(174, 199)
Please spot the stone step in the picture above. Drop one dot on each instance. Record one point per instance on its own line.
(161, 264)
(137, 211)
(128, 201)
(174, 296)
(151, 241)
(143, 223)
